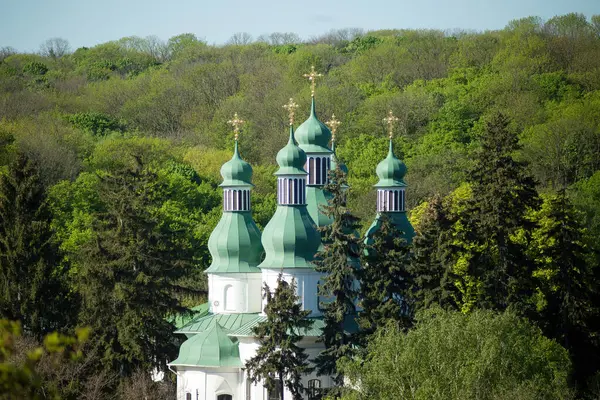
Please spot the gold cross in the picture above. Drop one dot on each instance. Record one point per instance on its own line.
(312, 77)
(236, 122)
(333, 123)
(390, 120)
(291, 108)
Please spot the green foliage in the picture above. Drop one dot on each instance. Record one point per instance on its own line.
(338, 261)
(567, 282)
(129, 270)
(98, 124)
(32, 287)
(21, 379)
(385, 280)
(449, 355)
(431, 264)
(279, 361)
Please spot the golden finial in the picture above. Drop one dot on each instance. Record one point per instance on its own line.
(390, 120)
(333, 123)
(312, 77)
(236, 122)
(291, 108)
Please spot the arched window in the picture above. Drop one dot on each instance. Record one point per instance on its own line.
(273, 394)
(317, 179)
(323, 170)
(188, 396)
(229, 298)
(224, 397)
(314, 389)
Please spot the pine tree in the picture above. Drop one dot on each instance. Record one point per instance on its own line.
(431, 264)
(279, 361)
(385, 281)
(566, 282)
(503, 193)
(338, 262)
(128, 273)
(32, 290)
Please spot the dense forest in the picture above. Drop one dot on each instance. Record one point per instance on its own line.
(110, 158)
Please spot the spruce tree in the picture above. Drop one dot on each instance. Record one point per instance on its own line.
(128, 273)
(338, 262)
(31, 286)
(503, 193)
(385, 281)
(279, 361)
(431, 263)
(566, 282)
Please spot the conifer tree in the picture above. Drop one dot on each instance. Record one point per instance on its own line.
(338, 262)
(385, 281)
(31, 290)
(279, 361)
(128, 273)
(566, 282)
(503, 193)
(431, 264)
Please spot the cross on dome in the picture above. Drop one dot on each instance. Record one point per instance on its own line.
(333, 124)
(291, 108)
(390, 120)
(312, 77)
(236, 122)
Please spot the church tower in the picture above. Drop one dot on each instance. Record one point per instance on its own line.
(234, 281)
(313, 137)
(291, 239)
(391, 190)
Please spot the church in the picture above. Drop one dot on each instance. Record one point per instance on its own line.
(220, 338)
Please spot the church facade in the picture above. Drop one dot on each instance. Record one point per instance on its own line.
(220, 338)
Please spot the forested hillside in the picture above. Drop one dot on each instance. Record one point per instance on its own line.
(110, 157)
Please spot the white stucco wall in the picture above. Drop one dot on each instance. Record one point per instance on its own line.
(234, 293)
(208, 383)
(307, 280)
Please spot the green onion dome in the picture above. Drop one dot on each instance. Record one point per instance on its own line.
(391, 170)
(211, 348)
(313, 135)
(291, 158)
(236, 172)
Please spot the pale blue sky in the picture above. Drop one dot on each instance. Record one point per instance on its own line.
(25, 24)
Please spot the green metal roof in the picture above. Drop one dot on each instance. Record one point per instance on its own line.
(316, 198)
(315, 330)
(196, 312)
(398, 219)
(290, 239)
(226, 321)
(391, 170)
(211, 348)
(235, 244)
(313, 135)
(291, 158)
(236, 172)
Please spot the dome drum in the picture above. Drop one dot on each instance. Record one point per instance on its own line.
(318, 166)
(236, 199)
(391, 200)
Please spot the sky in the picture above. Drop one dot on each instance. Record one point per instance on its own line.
(25, 24)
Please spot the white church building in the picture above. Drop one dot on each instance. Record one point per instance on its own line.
(220, 338)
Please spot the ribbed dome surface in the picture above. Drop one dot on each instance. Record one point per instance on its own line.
(313, 136)
(291, 158)
(391, 170)
(290, 239)
(211, 348)
(235, 245)
(236, 172)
